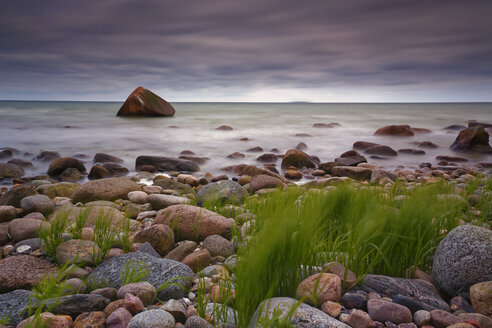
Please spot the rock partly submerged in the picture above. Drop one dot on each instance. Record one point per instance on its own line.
(143, 102)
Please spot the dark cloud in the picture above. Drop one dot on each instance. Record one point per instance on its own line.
(238, 50)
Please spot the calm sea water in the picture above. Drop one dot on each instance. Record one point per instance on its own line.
(88, 128)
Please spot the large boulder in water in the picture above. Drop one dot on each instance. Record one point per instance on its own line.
(299, 159)
(160, 271)
(61, 164)
(8, 170)
(463, 258)
(395, 130)
(143, 102)
(104, 189)
(166, 163)
(304, 316)
(473, 138)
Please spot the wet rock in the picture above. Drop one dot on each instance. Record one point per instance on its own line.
(395, 130)
(256, 149)
(160, 237)
(267, 158)
(194, 223)
(363, 145)
(23, 272)
(263, 181)
(21, 229)
(427, 144)
(381, 150)
(166, 164)
(224, 191)
(8, 171)
(118, 319)
(301, 146)
(160, 201)
(224, 128)
(37, 203)
(47, 156)
(419, 290)
(7, 213)
(143, 102)
(411, 151)
(451, 158)
(13, 304)
(98, 172)
(106, 158)
(325, 125)
(474, 138)
(115, 170)
(293, 175)
(5, 153)
(198, 260)
(350, 161)
(20, 162)
(160, 272)
(328, 288)
(377, 175)
(236, 155)
(298, 159)
(455, 127)
(70, 174)
(481, 297)
(382, 310)
(354, 172)
(152, 319)
(104, 189)
(182, 250)
(93, 319)
(218, 246)
(304, 316)
(462, 259)
(61, 164)
(80, 251)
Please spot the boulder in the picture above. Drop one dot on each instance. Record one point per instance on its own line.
(363, 145)
(13, 304)
(61, 164)
(47, 156)
(106, 158)
(152, 319)
(98, 172)
(263, 181)
(93, 213)
(354, 172)
(160, 201)
(395, 130)
(381, 150)
(160, 237)
(75, 305)
(7, 213)
(474, 138)
(104, 189)
(320, 288)
(115, 170)
(481, 297)
(304, 316)
(15, 195)
(9, 171)
(218, 246)
(181, 188)
(166, 163)
(25, 228)
(462, 259)
(61, 189)
(224, 128)
(198, 260)
(143, 290)
(37, 203)
(419, 290)
(143, 102)
(382, 310)
(194, 223)
(23, 272)
(298, 159)
(182, 249)
(160, 271)
(77, 251)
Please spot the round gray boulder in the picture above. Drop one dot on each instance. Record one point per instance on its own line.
(152, 319)
(160, 271)
(463, 258)
(37, 203)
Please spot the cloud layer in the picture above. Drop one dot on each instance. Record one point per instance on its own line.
(255, 50)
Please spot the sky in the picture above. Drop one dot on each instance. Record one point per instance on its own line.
(254, 50)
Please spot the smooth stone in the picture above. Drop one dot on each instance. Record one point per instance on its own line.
(107, 292)
(152, 319)
(160, 201)
(160, 271)
(332, 308)
(61, 164)
(381, 310)
(94, 319)
(481, 297)
(147, 248)
(298, 159)
(170, 184)
(74, 305)
(328, 288)
(22, 229)
(262, 181)
(304, 316)
(176, 309)
(160, 236)
(106, 158)
(119, 318)
(421, 318)
(143, 290)
(197, 322)
(360, 319)
(218, 246)
(484, 321)
(14, 196)
(9, 171)
(409, 302)
(61, 189)
(354, 172)
(104, 189)
(77, 251)
(462, 259)
(37, 203)
(137, 197)
(227, 314)
(198, 260)
(7, 213)
(221, 192)
(166, 164)
(353, 301)
(132, 303)
(442, 319)
(47, 156)
(143, 102)
(182, 250)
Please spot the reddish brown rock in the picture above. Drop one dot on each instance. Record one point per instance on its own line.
(236, 155)
(26, 228)
(94, 319)
(263, 181)
(328, 288)
(267, 158)
(395, 130)
(298, 159)
(474, 138)
(113, 306)
(451, 158)
(61, 164)
(381, 150)
(421, 130)
(198, 260)
(224, 128)
(145, 291)
(442, 319)
(119, 318)
(133, 303)
(160, 236)
(293, 174)
(382, 310)
(363, 145)
(143, 102)
(23, 272)
(360, 319)
(193, 223)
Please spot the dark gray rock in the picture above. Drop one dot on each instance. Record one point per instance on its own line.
(354, 301)
(76, 304)
(116, 170)
(34, 243)
(463, 258)
(305, 316)
(408, 302)
(47, 156)
(224, 191)
(152, 319)
(420, 290)
(12, 305)
(106, 158)
(37, 203)
(160, 272)
(61, 164)
(166, 163)
(21, 162)
(148, 249)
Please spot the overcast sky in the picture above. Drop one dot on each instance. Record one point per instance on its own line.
(247, 50)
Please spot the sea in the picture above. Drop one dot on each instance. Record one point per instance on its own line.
(85, 128)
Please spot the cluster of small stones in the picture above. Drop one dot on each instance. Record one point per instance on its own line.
(164, 226)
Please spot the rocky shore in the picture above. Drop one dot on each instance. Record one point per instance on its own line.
(167, 256)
